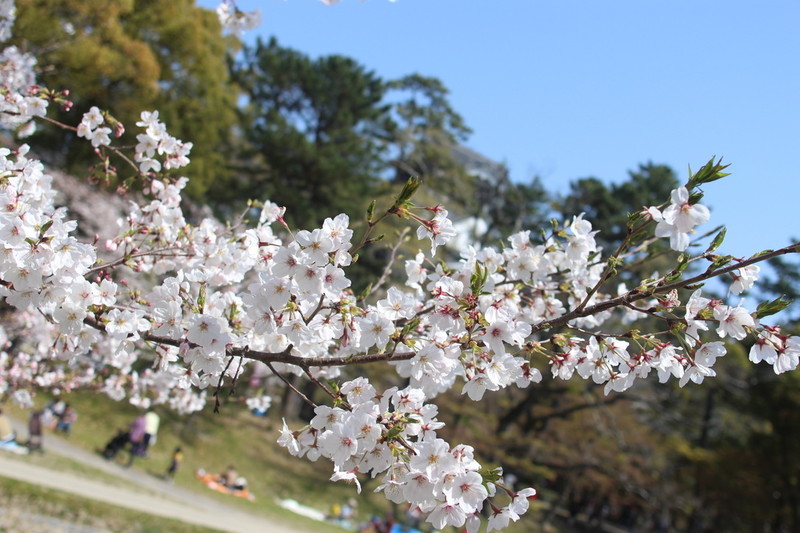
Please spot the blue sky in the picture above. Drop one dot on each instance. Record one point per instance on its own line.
(565, 89)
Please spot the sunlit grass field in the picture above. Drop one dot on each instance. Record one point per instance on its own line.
(212, 442)
(25, 505)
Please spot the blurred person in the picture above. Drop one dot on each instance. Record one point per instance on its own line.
(175, 463)
(65, 420)
(151, 423)
(35, 436)
(229, 476)
(6, 431)
(116, 444)
(136, 438)
(52, 413)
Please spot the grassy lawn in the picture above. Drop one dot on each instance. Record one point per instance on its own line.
(24, 505)
(214, 441)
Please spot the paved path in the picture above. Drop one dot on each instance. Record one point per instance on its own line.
(149, 495)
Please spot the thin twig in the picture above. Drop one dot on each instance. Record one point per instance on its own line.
(636, 295)
(317, 310)
(294, 389)
(388, 270)
(321, 385)
(219, 386)
(160, 252)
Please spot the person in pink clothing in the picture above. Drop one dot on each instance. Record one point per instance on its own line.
(137, 432)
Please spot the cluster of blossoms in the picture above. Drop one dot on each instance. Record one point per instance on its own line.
(92, 127)
(236, 21)
(97, 127)
(203, 302)
(20, 101)
(8, 12)
(156, 140)
(393, 435)
(439, 229)
(779, 350)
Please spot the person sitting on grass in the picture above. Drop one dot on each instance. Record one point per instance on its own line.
(6, 431)
(228, 477)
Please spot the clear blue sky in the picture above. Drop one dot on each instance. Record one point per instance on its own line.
(565, 89)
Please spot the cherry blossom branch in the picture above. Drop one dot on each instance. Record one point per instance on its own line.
(219, 386)
(308, 362)
(116, 150)
(611, 265)
(285, 356)
(637, 294)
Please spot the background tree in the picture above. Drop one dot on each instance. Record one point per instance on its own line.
(313, 132)
(130, 56)
(609, 204)
(510, 207)
(427, 134)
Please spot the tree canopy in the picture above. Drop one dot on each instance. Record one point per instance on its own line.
(129, 56)
(313, 131)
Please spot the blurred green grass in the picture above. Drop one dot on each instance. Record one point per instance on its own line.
(213, 441)
(25, 503)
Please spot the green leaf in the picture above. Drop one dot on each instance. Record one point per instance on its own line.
(201, 298)
(717, 240)
(613, 265)
(375, 239)
(366, 292)
(478, 279)
(408, 191)
(683, 262)
(410, 326)
(370, 211)
(719, 261)
(333, 385)
(634, 218)
(762, 252)
(770, 308)
(394, 432)
(45, 227)
(711, 171)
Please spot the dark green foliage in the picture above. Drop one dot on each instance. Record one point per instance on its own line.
(511, 207)
(426, 133)
(313, 133)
